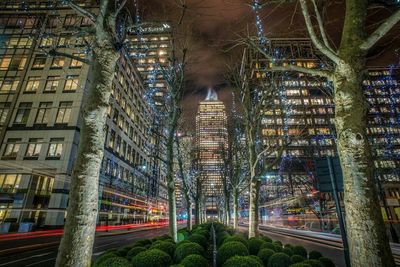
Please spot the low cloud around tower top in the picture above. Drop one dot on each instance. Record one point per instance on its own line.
(212, 95)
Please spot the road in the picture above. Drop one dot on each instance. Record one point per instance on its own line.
(46, 255)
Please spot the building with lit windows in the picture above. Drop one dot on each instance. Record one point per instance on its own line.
(41, 100)
(211, 143)
(304, 112)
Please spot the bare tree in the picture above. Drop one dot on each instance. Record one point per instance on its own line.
(369, 245)
(108, 36)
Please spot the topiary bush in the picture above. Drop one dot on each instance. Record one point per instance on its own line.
(326, 262)
(230, 249)
(165, 246)
(266, 238)
(115, 262)
(237, 238)
(194, 260)
(265, 254)
(199, 239)
(242, 261)
(268, 246)
(143, 243)
(122, 251)
(287, 251)
(183, 242)
(254, 244)
(202, 232)
(299, 250)
(278, 248)
(279, 260)
(297, 259)
(221, 237)
(277, 242)
(104, 257)
(187, 249)
(151, 258)
(134, 251)
(313, 263)
(314, 255)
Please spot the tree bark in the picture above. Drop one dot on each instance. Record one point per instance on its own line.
(368, 242)
(190, 215)
(253, 208)
(235, 208)
(173, 122)
(80, 226)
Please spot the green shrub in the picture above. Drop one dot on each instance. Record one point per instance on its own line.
(300, 264)
(221, 237)
(287, 251)
(326, 262)
(313, 263)
(202, 232)
(104, 257)
(288, 246)
(299, 250)
(278, 248)
(134, 251)
(230, 249)
(314, 255)
(237, 238)
(297, 259)
(183, 242)
(151, 258)
(264, 255)
(199, 239)
(187, 249)
(143, 243)
(279, 260)
(122, 251)
(176, 265)
(276, 242)
(194, 261)
(268, 246)
(242, 261)
(266, 239)
(115, 262)
(165, 246)
(257, 259)
(254, 245)
(231, 231)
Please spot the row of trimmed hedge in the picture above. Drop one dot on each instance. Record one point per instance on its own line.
(236, 250)
(191, 250)
(194, 249)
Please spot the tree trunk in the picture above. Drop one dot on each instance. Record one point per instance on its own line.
(173, 230)
(197, 210)
(80, 225)
(189, 212)
(235, 208)
(253, 208)
(368, 242)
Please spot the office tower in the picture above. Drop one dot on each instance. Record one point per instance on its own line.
(41, 100)
(211, 144)
(304, 112)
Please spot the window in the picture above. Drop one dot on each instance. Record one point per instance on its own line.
(64, 112)
(76, 63)
(70, 20)
(52, 84)
(46, 42)
(32, 85)
(34, 147)
(71, 83)
(44, 185)
(8, 85)
(55, 148)
(43, 113)
(58, 63)
(111, 141)
(9, 181)
(4, 109)
(12, 147)
(39, 62)
(23, 113)
(5, 62)
(52, 22)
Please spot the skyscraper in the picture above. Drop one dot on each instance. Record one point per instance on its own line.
(41, 100)
(211, 142)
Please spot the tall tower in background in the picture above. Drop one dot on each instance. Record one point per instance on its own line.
(211, 142)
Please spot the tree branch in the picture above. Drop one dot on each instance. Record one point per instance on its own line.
(381, 31)
(121, 6)
(313, 72)
(53, 53)
(82, 11)
(321, 47)
(321, 26)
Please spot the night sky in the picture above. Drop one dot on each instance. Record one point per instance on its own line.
(210, 27)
